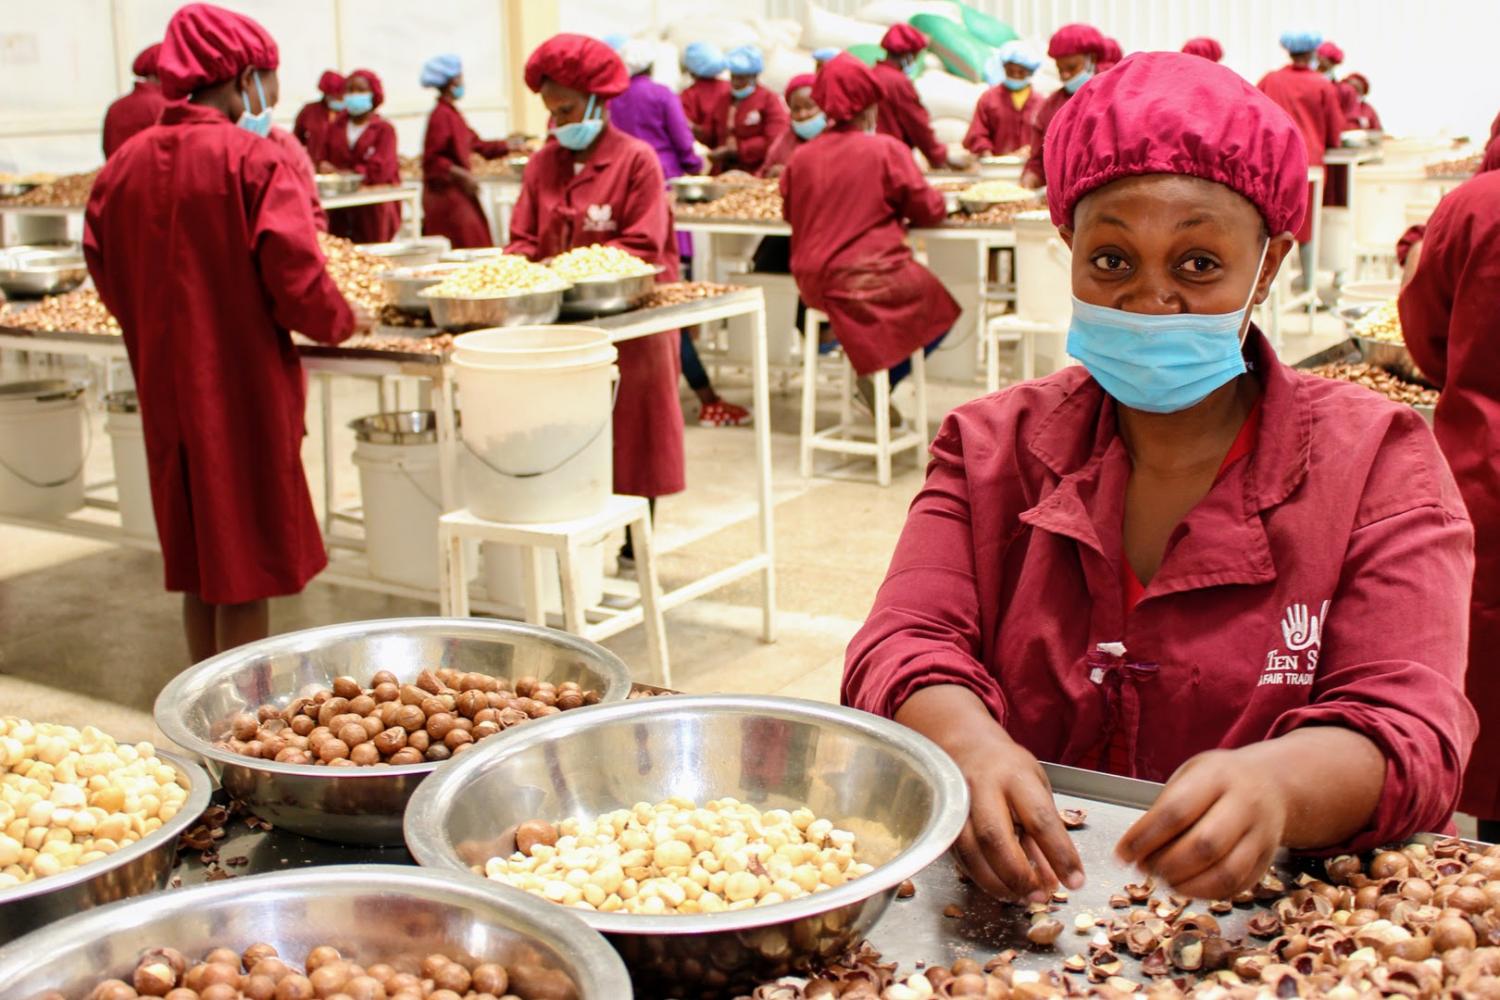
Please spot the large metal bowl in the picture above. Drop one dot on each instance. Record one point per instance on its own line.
(357, 805)
(410, 253)
(607, 294)
(136, 869)
(475, 313)
(333, 185)
(695, 190)
(903, 798)
(42, 270)
(403, 283)
(1393, 357)
(371, 913)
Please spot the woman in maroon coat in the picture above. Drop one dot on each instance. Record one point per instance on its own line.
(234, 266)
(900, 113)
(747, 119)
(314, 117)
(450, 194)
(1077, 50)
(139, 109)
(362, 142)
(706, 65)
(595, 184)
(1164, 563)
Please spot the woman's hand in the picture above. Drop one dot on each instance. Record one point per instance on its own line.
(1215, 827)
(465, 180)
(1014, 845)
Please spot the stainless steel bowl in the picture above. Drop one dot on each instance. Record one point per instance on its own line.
(694, 190)
(14, 189)
(518, 162)
(333, 185)
(474, 313)
(410, 253)
(403, 283)
(1394, 358)
(371, 913)
(607, 294)
(469, 255)
(357, 805)
(139, 868)
(903, 798)
(42, 270)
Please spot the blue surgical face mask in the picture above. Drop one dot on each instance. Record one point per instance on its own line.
(456, 92)
(259, 124)
(360, 103)
(810, 128)
(743, 92)
(1160, 364)
(581, 135)
(336, 104)
(1011, 84)
(1077, 80)
(913, 69)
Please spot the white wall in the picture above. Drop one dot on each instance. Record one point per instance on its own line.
(1431, 62)
(63, 61)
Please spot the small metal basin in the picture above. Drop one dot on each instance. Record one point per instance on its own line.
(403, 284)
(333, 185)
(695, 190)
(42, 270)
(607, 294)
(480, 312)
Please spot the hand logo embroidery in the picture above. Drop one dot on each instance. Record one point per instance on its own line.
(1301, 630)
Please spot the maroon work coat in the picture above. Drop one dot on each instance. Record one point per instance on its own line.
(700, 98)
(233, 266)
(1450, 317)
(902, 116)
(618, 199)
(1036, 164)
(756, 123)
(135, 112)
(372, 156)
(1259, 621)
(847, 196)
(312, 120)
(1312, 101)
(447, 209)
(999, 127)
(780, 153)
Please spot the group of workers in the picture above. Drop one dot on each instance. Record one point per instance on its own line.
(1048, 597)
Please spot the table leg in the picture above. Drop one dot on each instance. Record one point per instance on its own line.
(761, 377)
(447, 435)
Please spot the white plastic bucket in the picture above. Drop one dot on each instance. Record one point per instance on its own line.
(401, 494)
(538, 405)
(42, 431)
(1363, 292)
(127, 442)
(503, 579)
(1044, 281)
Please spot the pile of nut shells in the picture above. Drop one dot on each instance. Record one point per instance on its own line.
(676, 293)
(1464, 166)
(1420, 922)
(68, 191)
(389, 723)
(78, 311)
(1381, 381)
(757, 202)
(437, 345)
(357, 272)
(260, 973)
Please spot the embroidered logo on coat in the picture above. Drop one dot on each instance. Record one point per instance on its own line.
(599, 219)
(752, 119)
(1302, 634)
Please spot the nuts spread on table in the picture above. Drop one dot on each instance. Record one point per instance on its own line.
(68, 191)
(440, 715)
(1463, 166)
(436, 345)
(1381, 323)
(676, 293)
(675, 857)
(997, 191)
(260, 973)
(357, 272)
(599, 261)
(71, 796)
(1381, 381)
(78, 311)
(751, 202)
(507, 274)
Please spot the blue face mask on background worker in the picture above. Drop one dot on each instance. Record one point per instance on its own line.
(580, 135)
(257, 124)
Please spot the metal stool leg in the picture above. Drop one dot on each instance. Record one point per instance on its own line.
(651, 611)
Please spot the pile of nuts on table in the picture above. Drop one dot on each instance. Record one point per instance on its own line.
(260, 973)
(1380, 380)
(507, 274)
(997, 191)
(1464, 166)
(78, 311)
(1381, 323)
(760, 202)
(599, 261)
(675, 857)
(68, 191)
(357, 272)
(1421, 922)
(1000, 215)
(676, 293)
(70, 796)
(438, 343)
(394, 315)
(442, 714)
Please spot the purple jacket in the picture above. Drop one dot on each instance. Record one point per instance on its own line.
(653, 114)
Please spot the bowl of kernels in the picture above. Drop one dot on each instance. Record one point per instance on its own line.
(603, 279)
(85, 820)
(507, 290)
(716, 841)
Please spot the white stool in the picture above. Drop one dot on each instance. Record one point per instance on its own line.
(840, 438)
(565, 538)
(1012, 329)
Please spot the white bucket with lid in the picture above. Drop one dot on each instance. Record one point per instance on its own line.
(1044, 279)
(127, 442)
(43, 428)
(538, 405)
(401, 493)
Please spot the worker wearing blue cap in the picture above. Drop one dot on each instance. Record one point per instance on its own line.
(706, 65)
(746, 121)
(450, 195)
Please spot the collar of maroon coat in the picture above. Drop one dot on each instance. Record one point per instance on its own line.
(186, 113)
(1079, 441)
